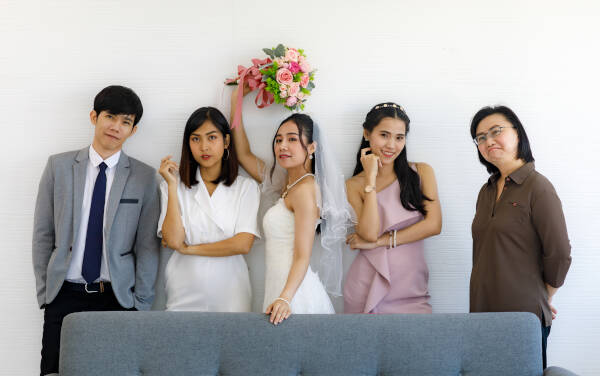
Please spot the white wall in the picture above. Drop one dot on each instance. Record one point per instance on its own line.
(441, 60)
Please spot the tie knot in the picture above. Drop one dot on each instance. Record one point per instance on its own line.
(103, 167)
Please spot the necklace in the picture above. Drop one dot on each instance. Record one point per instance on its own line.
(289, 186)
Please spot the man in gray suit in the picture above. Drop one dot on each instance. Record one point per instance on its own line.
(94, 238)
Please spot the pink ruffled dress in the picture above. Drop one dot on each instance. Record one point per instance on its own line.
(393, 280)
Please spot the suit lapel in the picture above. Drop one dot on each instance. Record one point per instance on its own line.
(79, 173)
(116, 191)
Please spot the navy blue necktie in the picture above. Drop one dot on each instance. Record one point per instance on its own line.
(92, 256)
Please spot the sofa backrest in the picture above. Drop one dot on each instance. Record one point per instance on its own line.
(193, 343)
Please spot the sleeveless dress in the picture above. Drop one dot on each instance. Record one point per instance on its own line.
(393, 280)
(278, 227)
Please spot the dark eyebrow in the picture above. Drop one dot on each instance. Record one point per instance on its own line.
(200, 134)
(287, 134)
(388, 132)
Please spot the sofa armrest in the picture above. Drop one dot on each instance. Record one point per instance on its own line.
(557, 371)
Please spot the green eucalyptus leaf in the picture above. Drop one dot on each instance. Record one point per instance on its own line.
(279, 51)
(268, 52)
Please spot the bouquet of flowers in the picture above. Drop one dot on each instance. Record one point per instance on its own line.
(285, 77)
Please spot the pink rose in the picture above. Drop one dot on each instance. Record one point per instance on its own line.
(292, 54)
(294, 89)
(304, 80)
(300, 95)
(305, 67)
(283, 91)
(291, 101)
(294, 67)
(284, 76)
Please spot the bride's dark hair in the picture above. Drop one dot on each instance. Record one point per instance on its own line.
(411, 195)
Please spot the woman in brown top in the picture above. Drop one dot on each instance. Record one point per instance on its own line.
(521, 250)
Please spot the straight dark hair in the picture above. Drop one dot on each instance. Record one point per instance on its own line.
(119, 100)
(188, 165)
(523, 148)
(305, 126)
(411, 195)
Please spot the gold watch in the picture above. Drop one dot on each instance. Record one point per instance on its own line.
(369, 188)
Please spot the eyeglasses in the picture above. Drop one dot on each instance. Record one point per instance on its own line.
(493, 132)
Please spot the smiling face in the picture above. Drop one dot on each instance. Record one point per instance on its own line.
(387, 139)
(111, 131)
(208, 145)
(501, 148)
(288, 149)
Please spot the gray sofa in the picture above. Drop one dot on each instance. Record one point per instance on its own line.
(192, 343)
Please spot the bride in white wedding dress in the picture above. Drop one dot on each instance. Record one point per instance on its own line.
(290, 225)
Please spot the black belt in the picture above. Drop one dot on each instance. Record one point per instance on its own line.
(88, 287)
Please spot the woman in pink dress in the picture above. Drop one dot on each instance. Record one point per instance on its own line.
(397, 206)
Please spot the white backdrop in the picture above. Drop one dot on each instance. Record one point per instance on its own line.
(441, 60)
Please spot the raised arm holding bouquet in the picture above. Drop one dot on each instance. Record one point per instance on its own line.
(284, 77)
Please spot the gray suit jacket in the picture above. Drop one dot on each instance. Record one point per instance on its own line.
(132, 212)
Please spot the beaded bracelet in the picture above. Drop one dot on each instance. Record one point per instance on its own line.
(393, 243)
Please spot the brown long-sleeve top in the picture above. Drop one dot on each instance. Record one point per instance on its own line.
(520, 243)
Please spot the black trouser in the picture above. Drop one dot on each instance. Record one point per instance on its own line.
(545, 334)
(70, 299)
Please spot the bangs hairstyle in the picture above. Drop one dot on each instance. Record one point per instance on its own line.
(523, 148)
(188, 165)
(411, 195)
(119, 100)
(305, 126)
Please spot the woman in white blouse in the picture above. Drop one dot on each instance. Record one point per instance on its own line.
(208, 217)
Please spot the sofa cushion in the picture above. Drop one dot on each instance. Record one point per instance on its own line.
(193, 343)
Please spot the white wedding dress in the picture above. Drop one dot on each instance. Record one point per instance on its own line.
(311, 297)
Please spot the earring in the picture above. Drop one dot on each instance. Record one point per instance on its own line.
(227, 157)
(310, 156)
(366, 139)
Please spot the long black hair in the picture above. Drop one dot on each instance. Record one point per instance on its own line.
(188, 165)
(411, 195)
(523, 148)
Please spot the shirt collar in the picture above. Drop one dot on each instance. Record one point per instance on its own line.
(518, 176)
(522, 172)
(96, 159)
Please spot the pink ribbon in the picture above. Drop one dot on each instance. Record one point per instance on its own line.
(253, 77)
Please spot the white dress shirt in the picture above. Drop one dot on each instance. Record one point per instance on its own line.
(74, 272)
